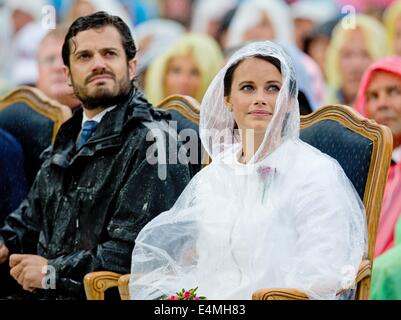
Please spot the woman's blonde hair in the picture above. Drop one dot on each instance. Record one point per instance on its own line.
(390, 17)
(374, 35)
(202, 48)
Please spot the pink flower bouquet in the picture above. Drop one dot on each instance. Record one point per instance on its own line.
(186, 295)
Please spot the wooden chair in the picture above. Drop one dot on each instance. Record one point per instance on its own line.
(34, 119)
(185, 106)
(363, 149)
(123, 282)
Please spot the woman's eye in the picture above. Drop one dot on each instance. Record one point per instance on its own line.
(195, 73)
(273, 88)
(247, 87)
(175, 70)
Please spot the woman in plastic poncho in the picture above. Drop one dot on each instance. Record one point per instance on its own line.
(262, 214)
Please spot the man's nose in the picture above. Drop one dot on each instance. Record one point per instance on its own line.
(98, 63)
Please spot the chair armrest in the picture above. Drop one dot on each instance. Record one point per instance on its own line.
(279, 294)
(294, 294)
(365, 270)
(123, 286)
(96, 283)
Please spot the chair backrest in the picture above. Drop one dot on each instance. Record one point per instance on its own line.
(363, 149)
(34, 120)
(186, 106)
(185, 111)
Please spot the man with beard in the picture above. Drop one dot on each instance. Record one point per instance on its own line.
(98, 185)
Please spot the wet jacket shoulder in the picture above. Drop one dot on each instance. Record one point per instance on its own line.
(87, 205)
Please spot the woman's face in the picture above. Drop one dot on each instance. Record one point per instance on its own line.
(182, 77)
(354, 59)
(254, 90)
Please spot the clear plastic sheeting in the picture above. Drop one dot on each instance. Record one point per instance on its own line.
(289, 218)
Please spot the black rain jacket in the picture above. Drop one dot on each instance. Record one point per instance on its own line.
(87, 206)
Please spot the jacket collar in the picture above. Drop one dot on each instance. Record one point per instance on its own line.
(107, 135)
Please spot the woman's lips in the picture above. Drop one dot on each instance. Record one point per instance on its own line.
(261, 113)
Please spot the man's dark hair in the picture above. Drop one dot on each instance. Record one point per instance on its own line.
(228, 78)
(95, 21)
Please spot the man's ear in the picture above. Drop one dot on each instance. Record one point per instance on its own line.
(68, 75)
(132, 68)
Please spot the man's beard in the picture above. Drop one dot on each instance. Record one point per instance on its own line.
(103, 97)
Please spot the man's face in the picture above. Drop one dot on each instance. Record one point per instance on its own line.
(99, 71)
(383, 102)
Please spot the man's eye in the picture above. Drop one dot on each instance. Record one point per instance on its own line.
(110, 53)
(83, 57)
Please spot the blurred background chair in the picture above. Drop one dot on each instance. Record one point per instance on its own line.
(33, 119)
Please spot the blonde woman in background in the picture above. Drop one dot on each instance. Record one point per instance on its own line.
(352, 49)
(392, 22)
(187, 68)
